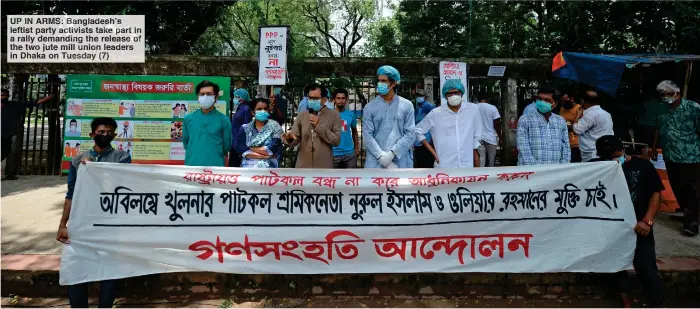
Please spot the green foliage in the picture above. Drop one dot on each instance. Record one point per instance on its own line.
(172, 27)
(236, 33)
(536, 28)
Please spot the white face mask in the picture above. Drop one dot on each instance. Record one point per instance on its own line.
(454, 100)
(206, 101)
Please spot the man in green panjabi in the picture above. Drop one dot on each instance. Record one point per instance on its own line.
(206, 132)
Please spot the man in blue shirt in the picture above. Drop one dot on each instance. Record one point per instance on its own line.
(206, 132)
(345, 155)
(422, 157)
(103, 132)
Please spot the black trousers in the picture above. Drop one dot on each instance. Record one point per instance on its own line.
(6, 147)
(422, 158)
(78, 294)
(647, 272)
(685, 179)
(234, 159)
(575, 155)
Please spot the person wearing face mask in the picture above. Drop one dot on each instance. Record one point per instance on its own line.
(680, 130)
(73, 131)
(346, 153)
(206, 132)
(304, 103)
(388, 124)
(594, 123)
(645, 186)
(422, 156)
(316, 131)
(260, 142)
(571, 112)
(242, 114)
(542, 137)
(103, 131)
(455, 127)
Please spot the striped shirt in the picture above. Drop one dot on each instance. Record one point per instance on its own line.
(541, 141)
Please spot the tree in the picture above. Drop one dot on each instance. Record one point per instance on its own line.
(537, 28)
(237, 33)
(341, 39)
(172, 27)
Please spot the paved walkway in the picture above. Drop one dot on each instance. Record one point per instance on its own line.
(31, 210)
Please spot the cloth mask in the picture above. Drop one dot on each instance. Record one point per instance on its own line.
(420, 100)
(103, 141)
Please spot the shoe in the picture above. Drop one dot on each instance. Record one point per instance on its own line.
(691, 229)
(10, 178)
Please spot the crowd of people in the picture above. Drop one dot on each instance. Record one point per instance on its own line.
(554, 129)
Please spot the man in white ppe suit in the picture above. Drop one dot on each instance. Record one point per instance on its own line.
(388, 124)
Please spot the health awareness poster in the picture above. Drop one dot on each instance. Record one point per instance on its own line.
(149, 111)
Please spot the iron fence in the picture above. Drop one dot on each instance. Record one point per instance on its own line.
(38, 149)
(41, 137)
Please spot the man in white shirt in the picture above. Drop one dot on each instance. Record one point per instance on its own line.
(490, 133)
(455, 127)
(594, 124)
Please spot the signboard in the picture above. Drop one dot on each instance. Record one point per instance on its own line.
(454, 70)
(272, 56)
(148, 109)
(497, 70)
(146, 219)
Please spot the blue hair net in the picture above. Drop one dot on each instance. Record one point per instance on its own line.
(242, 93)
(391, 72)
(452, 84)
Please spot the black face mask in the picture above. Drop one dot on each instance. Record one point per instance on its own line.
(4, 101)
(567, 105)
(103, 141)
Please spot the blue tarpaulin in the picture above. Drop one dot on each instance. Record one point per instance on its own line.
(604, 72)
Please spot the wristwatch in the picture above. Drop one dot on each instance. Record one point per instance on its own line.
(648, 222)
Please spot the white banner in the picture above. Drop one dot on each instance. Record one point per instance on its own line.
(454, 70)
(132, 220)
(272, 56)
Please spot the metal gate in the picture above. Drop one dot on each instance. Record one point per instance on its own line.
(37, 149)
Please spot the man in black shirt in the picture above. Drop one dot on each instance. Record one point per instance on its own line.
(645, 189)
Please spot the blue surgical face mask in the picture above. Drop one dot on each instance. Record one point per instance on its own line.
(621, 159)
(315, 105)
(543, 107)
(383, 88)
(262, 115)
(420, 100)
(206, 101)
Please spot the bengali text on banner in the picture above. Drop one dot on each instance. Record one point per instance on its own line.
(132, 220)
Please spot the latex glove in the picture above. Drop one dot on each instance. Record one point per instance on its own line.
(385, 158)
(391, 166)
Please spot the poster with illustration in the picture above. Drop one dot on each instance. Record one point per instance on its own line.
(148, 110)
